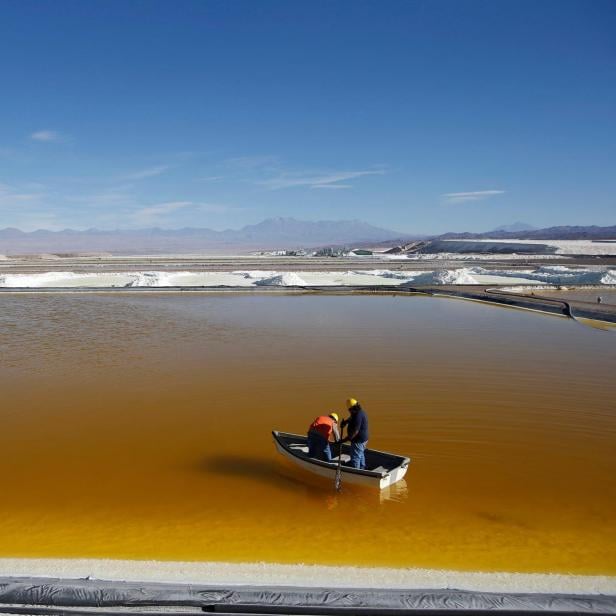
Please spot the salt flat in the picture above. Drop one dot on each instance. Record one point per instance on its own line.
(563, 247)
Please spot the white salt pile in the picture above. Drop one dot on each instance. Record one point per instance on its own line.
(554, 275)
(256, 274)
(146, 279)
(385, 274)
(609, 277)
(288, 279)
(457, 276)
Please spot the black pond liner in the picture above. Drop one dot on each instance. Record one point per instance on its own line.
(49, 596)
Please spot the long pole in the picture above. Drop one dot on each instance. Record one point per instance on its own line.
(338, 481)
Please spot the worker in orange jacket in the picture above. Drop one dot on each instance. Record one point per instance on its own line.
(321, 431)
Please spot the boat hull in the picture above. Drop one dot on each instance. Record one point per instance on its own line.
(381, 479)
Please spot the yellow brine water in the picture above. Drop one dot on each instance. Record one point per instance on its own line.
(139, 426)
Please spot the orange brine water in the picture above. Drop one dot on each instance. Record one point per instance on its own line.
(138, 426)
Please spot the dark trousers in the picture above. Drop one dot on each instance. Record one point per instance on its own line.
(318, 447)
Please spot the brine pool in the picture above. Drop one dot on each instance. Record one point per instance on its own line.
(139, 427)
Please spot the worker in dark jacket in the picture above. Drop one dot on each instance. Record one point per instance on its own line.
(321, 431)
(357, 432)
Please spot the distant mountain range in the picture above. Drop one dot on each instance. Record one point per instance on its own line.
(273, 233)
(516, 227)
(550, 233)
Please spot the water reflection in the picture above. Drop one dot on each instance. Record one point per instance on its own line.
(396, 493)
(282, 474)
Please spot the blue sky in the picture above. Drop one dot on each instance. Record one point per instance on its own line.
(422, 117)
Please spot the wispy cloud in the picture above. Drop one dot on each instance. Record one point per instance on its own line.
(157, 212)
(32, 221)
(252, 162)
(476, 195)
(46, 135)
(330, 179)
(147, 173)
(334, 186)
(119, 197)
(160, 209)
(211, 178)
(11, 196)
(25, 207)
(60, 204)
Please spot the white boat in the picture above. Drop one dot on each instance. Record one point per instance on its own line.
(382, 469)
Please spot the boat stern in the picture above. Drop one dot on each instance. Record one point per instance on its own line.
(395, 475)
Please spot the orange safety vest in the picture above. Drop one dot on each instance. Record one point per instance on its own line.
(324, 425)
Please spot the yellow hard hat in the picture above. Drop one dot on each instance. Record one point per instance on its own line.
(351, 402)
(334, 416)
